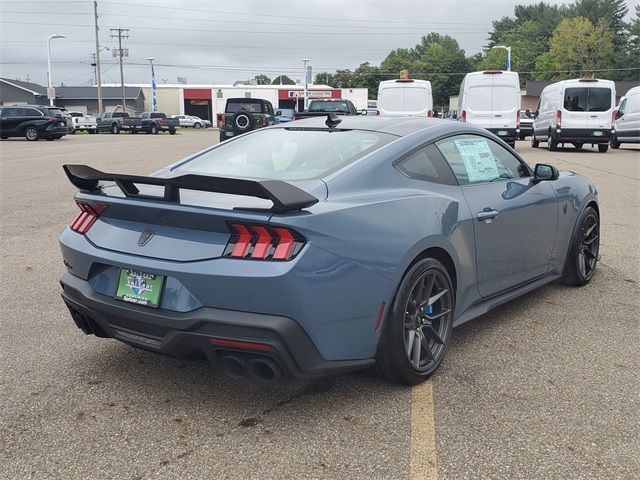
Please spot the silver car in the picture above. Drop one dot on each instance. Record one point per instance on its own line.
(192, 121)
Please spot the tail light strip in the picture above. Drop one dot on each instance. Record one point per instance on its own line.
(89, 213)
(261, 242)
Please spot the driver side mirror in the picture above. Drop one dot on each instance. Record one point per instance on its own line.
(617, 114)
(543, 172)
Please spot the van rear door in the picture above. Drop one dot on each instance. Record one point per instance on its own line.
(478, 105)
(600, 105)
(505, 102)
(575, 100)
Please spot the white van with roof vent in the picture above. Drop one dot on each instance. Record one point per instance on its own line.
(491, 100)
(405, 97)
(575, 111)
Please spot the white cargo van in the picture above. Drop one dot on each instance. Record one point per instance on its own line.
(405, 98)
(491, 100)
(577, 112)
(627, 119)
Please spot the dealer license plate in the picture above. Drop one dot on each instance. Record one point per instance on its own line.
(502, 133)
(139, 287)
(597, 134)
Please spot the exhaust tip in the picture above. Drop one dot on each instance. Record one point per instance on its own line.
(263, 370)
(233, 367)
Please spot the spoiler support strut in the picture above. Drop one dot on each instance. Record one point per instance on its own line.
(285, 197)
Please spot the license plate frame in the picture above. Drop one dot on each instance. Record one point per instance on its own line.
(502, 133)
(139, 287)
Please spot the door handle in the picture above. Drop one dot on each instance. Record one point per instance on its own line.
(593, 116)
(487, 215)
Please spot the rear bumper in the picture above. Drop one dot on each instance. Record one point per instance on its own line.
(586, 135)
(54, 130)
(506, 134)
(188, 334)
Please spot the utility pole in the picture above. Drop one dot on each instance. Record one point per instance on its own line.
(121, 33)
(93, 65)
(97, 59)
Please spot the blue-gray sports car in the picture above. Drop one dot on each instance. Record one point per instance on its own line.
(323, 246)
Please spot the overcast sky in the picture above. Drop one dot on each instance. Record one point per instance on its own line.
(222, 41)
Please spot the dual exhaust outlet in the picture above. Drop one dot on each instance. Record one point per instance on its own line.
(259, 369)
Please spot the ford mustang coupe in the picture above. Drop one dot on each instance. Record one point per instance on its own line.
(323, 246)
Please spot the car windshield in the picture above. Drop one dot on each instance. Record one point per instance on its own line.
(328, 107)
(251, 107)
(286, 154)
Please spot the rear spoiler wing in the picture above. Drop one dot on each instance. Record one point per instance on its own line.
(285, 197)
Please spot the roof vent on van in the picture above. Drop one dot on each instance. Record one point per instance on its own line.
(588, 80)
(404, 80)
(492, 72)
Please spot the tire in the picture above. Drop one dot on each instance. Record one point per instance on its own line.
(94, 131)
(242, 122)
(115, 129)
(153, 130)
(32, 134)
(406, 334)
(223, 137)
(578, 145)
(535, 143)
(615, 144)
(50, 139)
(512, 145)
(552, 144)
(197, 125)
(172, 131)
(582, 259)
(72, 132)
(522, 137)
(3, 138)
(603, 147)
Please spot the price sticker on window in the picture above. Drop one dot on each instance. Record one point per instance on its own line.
(478, 159)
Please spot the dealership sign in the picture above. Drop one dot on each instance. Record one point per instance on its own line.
(311, 93)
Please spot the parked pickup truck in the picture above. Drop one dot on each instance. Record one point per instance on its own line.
(154, 122)
(114, 122)
(318, 108)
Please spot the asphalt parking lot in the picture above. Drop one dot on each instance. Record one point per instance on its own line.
(544, 387)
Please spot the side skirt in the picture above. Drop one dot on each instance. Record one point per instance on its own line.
(492, 302)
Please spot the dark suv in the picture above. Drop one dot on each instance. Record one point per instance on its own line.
(32, 122)
(241, 115)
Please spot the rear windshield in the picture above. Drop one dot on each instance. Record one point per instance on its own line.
(328, 107)
(284, 154)
(157, 115)
(119, 114)
(587, 99)
(76, 114)
(251, 107)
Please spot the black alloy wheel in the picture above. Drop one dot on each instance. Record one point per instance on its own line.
(584, 256)
(32, 134)
(418, 327)
(115, 129)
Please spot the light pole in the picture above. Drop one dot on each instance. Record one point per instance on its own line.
(305, 93)
(154, 92)
(508, 61)
(50, 92)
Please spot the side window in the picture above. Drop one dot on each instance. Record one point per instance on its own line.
(476, 159)
(12, 112)
(32, 112)
(426, 164)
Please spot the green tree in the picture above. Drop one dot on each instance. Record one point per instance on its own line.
(579, 47)
(262, 80)
(324, 78)
(282, 80)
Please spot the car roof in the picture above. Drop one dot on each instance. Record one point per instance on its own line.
(399, 126)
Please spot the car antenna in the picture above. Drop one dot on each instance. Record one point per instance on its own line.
(332, 120)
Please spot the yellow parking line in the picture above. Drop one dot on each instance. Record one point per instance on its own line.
(423, 434)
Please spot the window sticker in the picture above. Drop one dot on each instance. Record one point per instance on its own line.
(478, 159)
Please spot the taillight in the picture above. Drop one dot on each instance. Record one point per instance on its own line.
(517, 119)
(120, 120)
(262, 242)
(614, 117)
(220, 118)
(295, 117)
(558, 118)
(463, 117)
(160, 121)
(429, 113)
(89, 213)
(265, 121)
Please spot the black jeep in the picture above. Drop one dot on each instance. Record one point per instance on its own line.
(241, 115)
